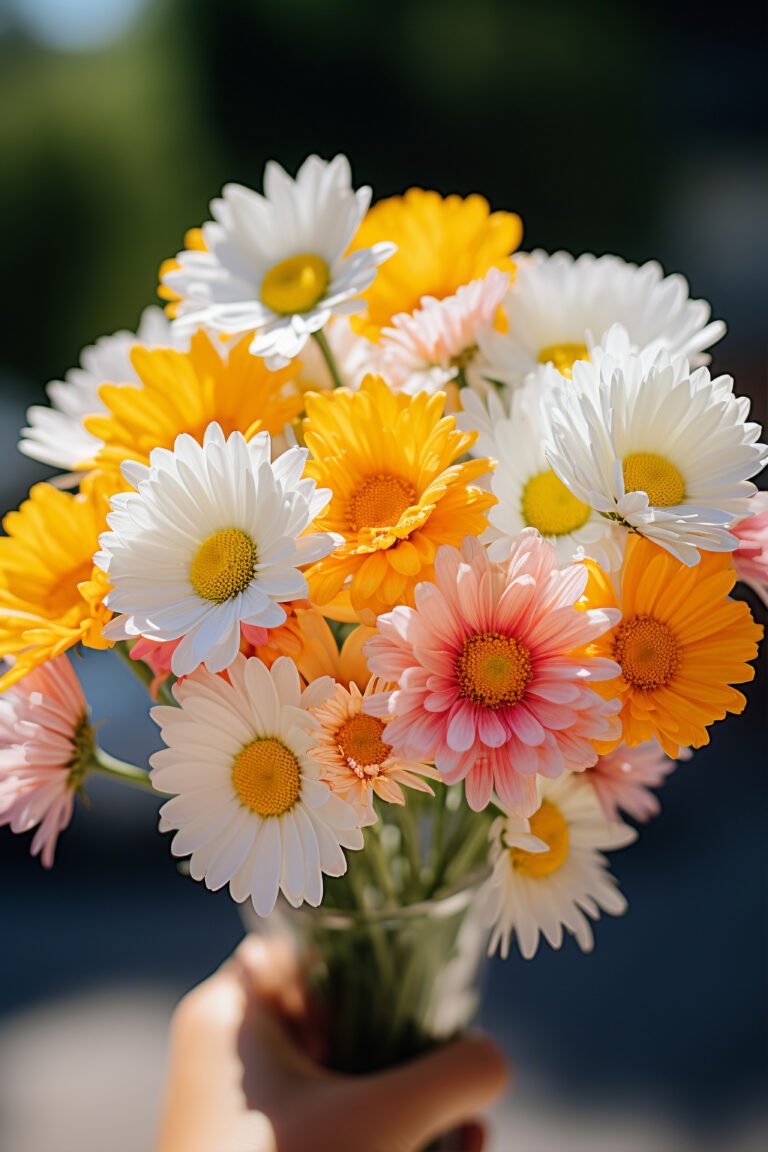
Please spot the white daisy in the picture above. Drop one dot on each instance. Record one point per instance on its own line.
(548, 871)
(655, 447)
(248, 802)
(529, 493)
(422, 351)
(212, 538)
(56, 435)
(559, 307)
(275, 265)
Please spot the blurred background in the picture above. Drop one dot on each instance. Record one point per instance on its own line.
(636, 128)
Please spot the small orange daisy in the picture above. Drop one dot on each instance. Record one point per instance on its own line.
(357, 759)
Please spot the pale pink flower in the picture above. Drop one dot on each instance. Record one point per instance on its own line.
(623, 780)
(157, 655)
(487, 682)
(44, 738)
(751, 556)
(425, 349)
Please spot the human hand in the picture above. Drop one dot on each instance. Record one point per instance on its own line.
(244, 1077)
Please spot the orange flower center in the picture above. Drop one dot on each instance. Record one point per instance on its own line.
(563, 356)
(267, 777)
(549, 825)
(494, 670)
(647, 651)
(380, 502)
(360, 743)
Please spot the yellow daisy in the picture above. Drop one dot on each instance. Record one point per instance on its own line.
(51, 597)
(681, 644)
(442, 243)
(185, 392)
(193, 241)
(398, 493)
(357, 760)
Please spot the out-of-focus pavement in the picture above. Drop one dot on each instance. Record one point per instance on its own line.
(84, 1074)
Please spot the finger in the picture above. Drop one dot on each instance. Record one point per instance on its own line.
(270, 974)
(415, 1102)
(275, 986)
(472, 1137)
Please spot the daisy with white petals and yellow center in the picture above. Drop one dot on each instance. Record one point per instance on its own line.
(528, 493)
(548, 871)
(213, 537)
(249, 805)
(655, 447)
(559, 308)
(277, 265)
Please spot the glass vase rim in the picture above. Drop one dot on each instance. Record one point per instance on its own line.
(448, 903)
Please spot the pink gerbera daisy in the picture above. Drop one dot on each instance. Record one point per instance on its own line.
(623, 780)
(487, 685)
(425, 349)
(45, 745)
(751, 557)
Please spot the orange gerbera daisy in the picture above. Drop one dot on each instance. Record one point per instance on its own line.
(51, 596)
(193, 241)
(187, 391)
(357, 759)
(442, 243)
(398, 493)
(681, 643)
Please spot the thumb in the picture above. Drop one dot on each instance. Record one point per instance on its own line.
(415, 1102)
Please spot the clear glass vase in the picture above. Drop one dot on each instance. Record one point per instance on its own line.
(389, 983)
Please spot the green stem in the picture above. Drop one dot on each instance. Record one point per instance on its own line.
(471, 850)
(107, 765)
(410, 842)
(137, 667)
(438, 838)
(329, 358)
(379, 863)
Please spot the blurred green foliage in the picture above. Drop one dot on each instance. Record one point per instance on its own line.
(582, 117)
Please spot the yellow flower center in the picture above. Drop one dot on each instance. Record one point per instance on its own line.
(647, 651)
(267, 777)
(652, 474)
(380, 502)
(494, 670)
(549, 825)
(549, 506)
(223, 565)
(563, 356)
(360, 743)
(295, 284)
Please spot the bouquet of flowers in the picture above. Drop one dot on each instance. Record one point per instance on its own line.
(424, 550)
